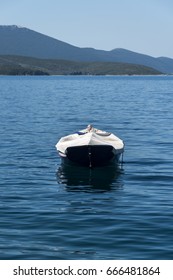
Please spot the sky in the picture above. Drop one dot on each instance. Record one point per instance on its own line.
(143, 26)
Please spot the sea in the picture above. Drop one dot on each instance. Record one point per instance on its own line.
(56, 212)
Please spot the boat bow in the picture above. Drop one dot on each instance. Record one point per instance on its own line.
(90, 148)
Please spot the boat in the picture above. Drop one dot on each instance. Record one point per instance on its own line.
(90, 147)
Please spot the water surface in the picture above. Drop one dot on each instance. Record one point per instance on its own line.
(49, 211)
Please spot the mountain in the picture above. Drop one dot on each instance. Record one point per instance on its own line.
(25, 42)
(21, 41)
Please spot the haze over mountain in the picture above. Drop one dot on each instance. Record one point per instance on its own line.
(21, 41)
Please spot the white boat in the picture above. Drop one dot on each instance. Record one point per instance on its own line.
(90, 147)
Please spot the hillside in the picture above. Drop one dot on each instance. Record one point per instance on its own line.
(25, 42)
(18, 65)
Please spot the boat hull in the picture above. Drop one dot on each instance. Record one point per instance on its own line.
(91, 155)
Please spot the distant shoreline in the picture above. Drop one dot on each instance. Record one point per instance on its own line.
(21, 65)
(135, 75)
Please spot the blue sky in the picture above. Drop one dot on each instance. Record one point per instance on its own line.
(141, 26)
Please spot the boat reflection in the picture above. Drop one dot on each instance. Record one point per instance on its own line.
(76, 178)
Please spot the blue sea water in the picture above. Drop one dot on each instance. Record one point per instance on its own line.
(48, 211)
